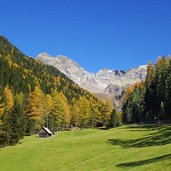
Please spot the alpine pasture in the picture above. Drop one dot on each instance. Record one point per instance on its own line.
(132, 147)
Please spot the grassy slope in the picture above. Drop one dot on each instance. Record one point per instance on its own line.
(131, 147)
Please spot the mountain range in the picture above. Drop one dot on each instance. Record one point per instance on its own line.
(104, 83)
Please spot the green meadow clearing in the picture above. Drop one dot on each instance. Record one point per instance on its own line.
(133, 147)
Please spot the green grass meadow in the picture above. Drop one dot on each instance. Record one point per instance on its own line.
(133, 147)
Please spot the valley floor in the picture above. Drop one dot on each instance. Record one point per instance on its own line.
(133, 147)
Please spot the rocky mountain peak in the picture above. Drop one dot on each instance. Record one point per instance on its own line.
(62, 58)
(108, 72)
(44, 55)
(105, 82)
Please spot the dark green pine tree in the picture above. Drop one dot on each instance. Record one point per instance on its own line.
(5, 136)
(161, 75)
(127, 111)
(133, 109)
(113, 122)
(138, 104)
(167, 101)
(162, 112)
(1, 72)
(150, 94)
(17, 123)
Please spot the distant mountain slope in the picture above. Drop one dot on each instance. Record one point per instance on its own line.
(35, 95)
(22, 73)
(105, 82)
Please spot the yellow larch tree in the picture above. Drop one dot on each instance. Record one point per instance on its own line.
(9, 98)
(107, 110)
(48, 108)
(2, 106)
(58, 109)
(67, 112)
(35, 106)
(84, 112)
(96, 113)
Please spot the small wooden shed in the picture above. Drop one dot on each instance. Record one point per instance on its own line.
(45, 133)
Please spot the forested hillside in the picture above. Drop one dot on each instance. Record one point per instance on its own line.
(33, 95)
(150, 101)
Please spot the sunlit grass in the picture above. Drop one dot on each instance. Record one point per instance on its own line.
(134, 147)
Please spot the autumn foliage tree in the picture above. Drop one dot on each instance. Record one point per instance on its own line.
(48, 111)
(151, 101)
(35, 109)
(33, 95)
(6, 120)
(107, 110)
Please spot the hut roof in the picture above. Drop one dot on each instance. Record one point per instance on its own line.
(47, 130)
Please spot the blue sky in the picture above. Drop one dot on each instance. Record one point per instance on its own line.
(114, 34)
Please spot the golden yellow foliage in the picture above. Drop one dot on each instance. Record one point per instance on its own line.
(2, 106)
(35, 106)
(48, 104)
(150, 73)
(107, 110)
(9, 98)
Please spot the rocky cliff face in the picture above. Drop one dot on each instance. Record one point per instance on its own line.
(107, 83)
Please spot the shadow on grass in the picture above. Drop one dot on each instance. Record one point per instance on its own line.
(161, 136)
(145, 127)
(147, 161)
(102, 128)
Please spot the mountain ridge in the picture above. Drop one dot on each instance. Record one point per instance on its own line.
(107, 82)
(44, 55)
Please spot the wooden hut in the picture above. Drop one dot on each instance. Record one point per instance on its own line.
(45, 133)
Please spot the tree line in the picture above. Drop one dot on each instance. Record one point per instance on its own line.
(150, 101)
(33, 95)
(21, 116)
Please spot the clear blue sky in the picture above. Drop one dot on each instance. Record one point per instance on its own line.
(114, 34)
